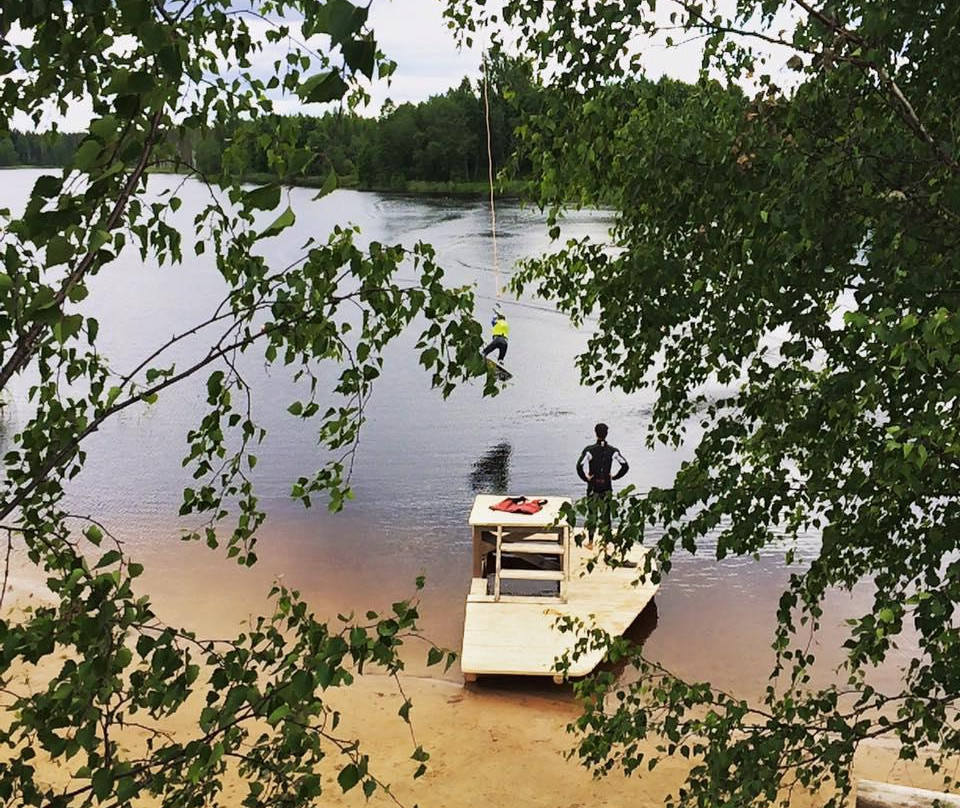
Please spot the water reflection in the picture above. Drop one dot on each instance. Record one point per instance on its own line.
(637, 634)
(491, 472)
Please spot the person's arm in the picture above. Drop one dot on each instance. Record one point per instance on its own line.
(580, 473)
(624, 466)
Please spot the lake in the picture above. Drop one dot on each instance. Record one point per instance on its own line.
(420, 461)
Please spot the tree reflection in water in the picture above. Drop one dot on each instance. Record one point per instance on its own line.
(491, 471)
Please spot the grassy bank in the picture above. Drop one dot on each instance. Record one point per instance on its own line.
(425, 187)
(511, 188)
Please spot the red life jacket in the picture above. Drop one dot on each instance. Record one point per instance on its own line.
(519, 505)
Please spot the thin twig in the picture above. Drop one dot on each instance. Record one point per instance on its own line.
(6, 567)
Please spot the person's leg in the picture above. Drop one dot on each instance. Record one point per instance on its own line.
(591, 518)
(502, 350)
(611, 546)
(606, 513)
(491, 347)
(600, 517)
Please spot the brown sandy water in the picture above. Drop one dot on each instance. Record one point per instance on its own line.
(419, 465)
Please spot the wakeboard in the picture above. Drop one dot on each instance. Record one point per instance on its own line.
(499, 370)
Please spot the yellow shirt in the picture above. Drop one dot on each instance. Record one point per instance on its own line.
(501, 329)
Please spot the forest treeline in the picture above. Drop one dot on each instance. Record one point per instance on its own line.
(437, 144)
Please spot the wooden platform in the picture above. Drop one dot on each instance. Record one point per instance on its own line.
(516, 635)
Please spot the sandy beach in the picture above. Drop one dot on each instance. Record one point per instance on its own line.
(502, 741)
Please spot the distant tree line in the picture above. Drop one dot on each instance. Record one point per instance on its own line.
(27, 149)
(440, 142)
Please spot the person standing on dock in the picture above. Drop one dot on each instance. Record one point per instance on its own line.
(594, 467)
(501, 330)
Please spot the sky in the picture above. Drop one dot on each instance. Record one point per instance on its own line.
(414, 34)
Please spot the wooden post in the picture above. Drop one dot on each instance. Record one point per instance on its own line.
(499, 566)
(477, 551)
(871, 794)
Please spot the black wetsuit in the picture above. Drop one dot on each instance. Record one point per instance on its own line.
(600, 457)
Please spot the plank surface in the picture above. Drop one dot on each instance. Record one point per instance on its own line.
(517, 636)
(481, 515)
(537, 547)
(531, 575)
(873, 794)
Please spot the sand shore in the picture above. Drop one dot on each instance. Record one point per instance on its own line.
(499, 742)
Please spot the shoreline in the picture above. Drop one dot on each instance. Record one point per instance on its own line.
(418, 188)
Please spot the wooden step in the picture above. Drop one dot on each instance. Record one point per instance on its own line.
(546, 600)
(541, 547)
(532, 575)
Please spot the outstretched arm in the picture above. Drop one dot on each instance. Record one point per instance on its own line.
(624, 466)
(580, 472)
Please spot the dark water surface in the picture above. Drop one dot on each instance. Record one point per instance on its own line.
(421, 460)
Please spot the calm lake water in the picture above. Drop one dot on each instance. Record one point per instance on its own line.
(421, 460)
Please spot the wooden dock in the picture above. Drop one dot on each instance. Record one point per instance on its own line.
(871, 794)
(516, 634)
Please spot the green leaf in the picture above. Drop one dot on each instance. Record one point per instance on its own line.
(324, 673)
(48, 186)
(127, 788)
(59, 251)
(214, 385)
(404, 711)
(342, 19)
(266, 197)
(322, 88)
(277, 715)
(67, 327)
(329, 185)
(360, 55)
(94, 534)
(108, 558)
(282, 222)
(420, 755)
(349, 776)
(86, 156)
(102, 782)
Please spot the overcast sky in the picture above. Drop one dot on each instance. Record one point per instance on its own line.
(413, 33)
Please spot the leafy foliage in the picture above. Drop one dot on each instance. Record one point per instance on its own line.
(95, 657)
(796, 245)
